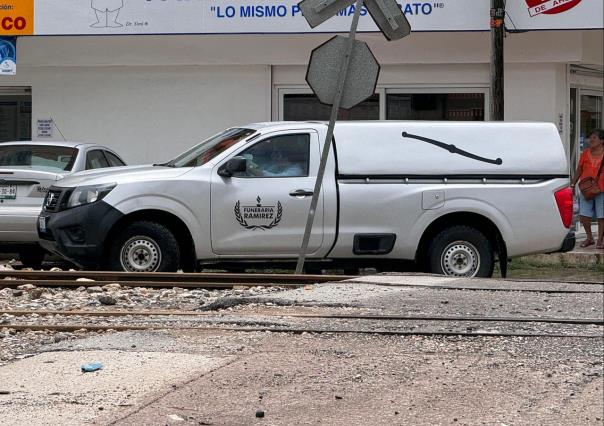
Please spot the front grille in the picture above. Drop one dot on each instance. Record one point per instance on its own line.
(52, 199)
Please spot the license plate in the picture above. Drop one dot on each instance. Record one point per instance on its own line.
(42, 223)
(8, 192)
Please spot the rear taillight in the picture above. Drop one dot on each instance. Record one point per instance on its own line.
(564, 200)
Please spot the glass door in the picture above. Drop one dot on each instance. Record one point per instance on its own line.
(15, 114)
(585, 115)
(590, 115)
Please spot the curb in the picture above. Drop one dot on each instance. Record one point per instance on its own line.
(594, 259)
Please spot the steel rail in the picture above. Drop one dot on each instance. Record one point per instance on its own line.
(238, 280)
(109, 276)
(373, 317)
(73, 328)
(477, 288)
(148, 284)
(548, 281)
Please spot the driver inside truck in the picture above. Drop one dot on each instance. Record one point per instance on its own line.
(281, 165)
(285, 156)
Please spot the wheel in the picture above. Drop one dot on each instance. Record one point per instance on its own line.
(461, 251)
(32, 257)
(145, 247)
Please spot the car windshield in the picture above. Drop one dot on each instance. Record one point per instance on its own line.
(38, 157)
(210, 148)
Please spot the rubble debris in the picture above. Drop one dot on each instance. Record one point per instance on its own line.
(175, 418)
(107, 300)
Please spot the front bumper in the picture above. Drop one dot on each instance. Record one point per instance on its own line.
(569, 243)
(79, 234)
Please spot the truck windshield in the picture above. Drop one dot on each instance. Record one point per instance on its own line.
(38, 157)
(210, 148)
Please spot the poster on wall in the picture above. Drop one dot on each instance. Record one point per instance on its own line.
(45, 128)
(16, 17)
(8, 56)
(125, 17)
(234, 16)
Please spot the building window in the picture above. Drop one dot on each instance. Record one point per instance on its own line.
(435, 106)
(305, 107)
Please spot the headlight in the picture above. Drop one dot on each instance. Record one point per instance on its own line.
(89, 194)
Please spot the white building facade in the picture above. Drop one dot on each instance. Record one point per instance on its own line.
(151, 88)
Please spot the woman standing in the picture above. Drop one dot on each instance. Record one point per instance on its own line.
(589, 165)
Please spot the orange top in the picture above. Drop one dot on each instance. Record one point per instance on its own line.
(590, 166)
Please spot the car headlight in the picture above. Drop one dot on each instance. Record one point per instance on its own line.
(89, 194)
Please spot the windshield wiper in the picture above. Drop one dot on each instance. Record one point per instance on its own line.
(453, 149)
(164, 165)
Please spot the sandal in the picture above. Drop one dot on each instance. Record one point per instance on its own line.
(586, 243)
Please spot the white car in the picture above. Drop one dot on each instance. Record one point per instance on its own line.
(27, 170)
(453, 196)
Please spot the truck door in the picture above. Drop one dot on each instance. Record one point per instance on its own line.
(263, 211)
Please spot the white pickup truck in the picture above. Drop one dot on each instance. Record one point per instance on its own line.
(452, 196)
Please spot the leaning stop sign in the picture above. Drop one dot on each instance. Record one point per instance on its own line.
(343, 72)
(326, 66)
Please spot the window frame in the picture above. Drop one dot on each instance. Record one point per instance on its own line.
(273, 136)
(106, 153)
(384, 91)
(102, 155)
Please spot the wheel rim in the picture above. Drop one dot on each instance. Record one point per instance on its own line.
(460, 259)
(140, 254)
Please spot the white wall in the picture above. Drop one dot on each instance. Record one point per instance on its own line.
(147, 114)
(418, 48)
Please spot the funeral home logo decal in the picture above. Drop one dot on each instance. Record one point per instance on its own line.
(550, 7)
(258, 216)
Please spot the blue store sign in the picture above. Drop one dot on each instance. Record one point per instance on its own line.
(8, 55)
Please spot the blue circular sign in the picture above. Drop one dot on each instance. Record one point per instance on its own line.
(7, 51)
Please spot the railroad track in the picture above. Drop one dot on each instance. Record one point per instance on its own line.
(203, 325)
(74, 279)
(73, 328)
(148, 313)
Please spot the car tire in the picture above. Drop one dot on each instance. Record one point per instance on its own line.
(145, 247)
(32, 257)
(461, 251)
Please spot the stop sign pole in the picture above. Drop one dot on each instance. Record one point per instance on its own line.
(335, 109)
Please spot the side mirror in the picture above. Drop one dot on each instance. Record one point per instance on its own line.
(234, 165)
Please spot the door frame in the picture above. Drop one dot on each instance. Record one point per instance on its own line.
(321, 219)
(580, 91)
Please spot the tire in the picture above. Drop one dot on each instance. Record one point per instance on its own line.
(32, 257)
(144, 247)
(461, 251)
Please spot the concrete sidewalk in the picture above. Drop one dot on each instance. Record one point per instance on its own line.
(579, 256)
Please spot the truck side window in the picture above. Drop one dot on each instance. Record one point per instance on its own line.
(279, 156)
(96, 160)
(114, 160)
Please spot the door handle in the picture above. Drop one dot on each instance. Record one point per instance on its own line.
(301, 193)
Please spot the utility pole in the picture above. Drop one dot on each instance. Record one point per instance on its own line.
(497, 35)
